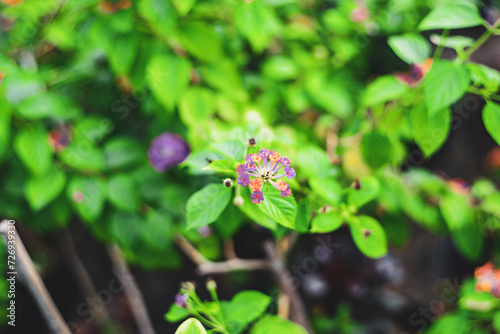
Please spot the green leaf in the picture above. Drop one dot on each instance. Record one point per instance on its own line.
(275, 324)
(233, 149)
(82, 155)
(201, 40)
(430, 130)
(224, 166)
(314, 162)
(411, 48)
(455, 42)
(326, 222)
(327, 188)
(160, 15)
(383, 89)
(196, 104)
(452, 16)
(496, 321)
(229, 222)
(4, 128)
(244, 308)
(206, 205)
(445, 83)
(485, 76)
(168, 78)
(304, 216)
(33, 149)
(122, 193)
(282, 209)
(257, 23)
(176, 313)
(369, 236)
(491, 203)
(191, 326)
(121, 152)
(460, 220)
(491, 119)
(376, 149)
(183, 6)
(47, 104)
(280, 68)
(121, 51)
(254, 213)
(87, 196)
(41, 190)
(369, 190)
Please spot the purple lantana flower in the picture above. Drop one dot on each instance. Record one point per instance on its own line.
(257, 197)
(264, 167)
(167, 150)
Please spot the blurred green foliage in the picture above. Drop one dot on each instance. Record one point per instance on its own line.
(86, 85)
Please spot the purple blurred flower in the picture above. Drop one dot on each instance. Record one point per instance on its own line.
(167, 150)
(181, 300)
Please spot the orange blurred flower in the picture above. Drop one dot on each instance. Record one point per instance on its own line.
(110, 7)
(415, 75)
(12, 2)
(488, 279)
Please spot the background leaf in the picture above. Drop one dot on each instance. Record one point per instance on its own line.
(445, 83)
(32, 148)
(282, 210)
(369, 236)
(491, 119)
(411, 48)
(430, 130)
(206, 205)
(43, 189)
(452, 16)
(326, 222)
(191, 326)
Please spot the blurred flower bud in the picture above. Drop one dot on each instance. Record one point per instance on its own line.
(251, 142)
(167, 150)
(356, 184)
(188, 286)
(211, 285)
(228, 183)
(205, 231)
(181, 300)
(238, 201)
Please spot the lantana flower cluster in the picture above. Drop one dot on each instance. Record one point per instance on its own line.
(488, 279)
(262, 167)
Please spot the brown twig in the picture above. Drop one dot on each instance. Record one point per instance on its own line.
(189, 250)
(298, 312)
(290, 301)
(132, 291)
(229, 249)
(82, 277)
(231, 265)
(27, 273)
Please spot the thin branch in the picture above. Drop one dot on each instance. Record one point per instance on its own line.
(229, 249)
(231, 265)
(132, 291)
(189, 250)
(82, 277)
(27, 272)
(298, 312)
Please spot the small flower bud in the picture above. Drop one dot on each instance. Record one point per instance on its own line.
(228, 183)
(211, 285)
(238, 201)
(251, 142)
(187, 286)
(356, 184)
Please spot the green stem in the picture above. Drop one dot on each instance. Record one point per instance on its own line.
(440, 48)
(482, 39)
